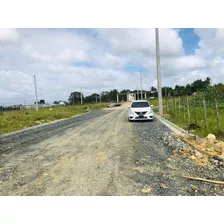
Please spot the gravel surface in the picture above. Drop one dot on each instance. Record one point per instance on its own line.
(38, 133)
(160, 171)
(101, 153)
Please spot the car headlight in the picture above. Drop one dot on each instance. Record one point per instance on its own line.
(149, 111)
(131, 112)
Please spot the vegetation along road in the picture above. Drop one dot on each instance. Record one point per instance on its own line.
(101, 153)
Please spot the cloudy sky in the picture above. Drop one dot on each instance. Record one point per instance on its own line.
(96, 60)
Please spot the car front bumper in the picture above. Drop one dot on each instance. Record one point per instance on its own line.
(135, 117)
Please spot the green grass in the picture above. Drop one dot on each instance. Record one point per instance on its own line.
(179, 119)
(202, 132)
(155, 104)
(16, 120)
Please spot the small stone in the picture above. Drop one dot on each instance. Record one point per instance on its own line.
(174, 151)
(198, 155)
(193, 157)
(211, 138)
(147, 190)
(164, 186)
(209, 149)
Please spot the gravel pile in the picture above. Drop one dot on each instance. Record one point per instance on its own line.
(165, 164)
(172, 142)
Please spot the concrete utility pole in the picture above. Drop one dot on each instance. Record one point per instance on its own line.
(81, 95)
(36, 92)
(137, 92)
(141, 83)
(158, 73)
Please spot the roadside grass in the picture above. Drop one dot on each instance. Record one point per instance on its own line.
(184, 123)
(16, 120)
(201, 131)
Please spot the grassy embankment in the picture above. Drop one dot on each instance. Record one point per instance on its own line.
(179, 120)
(16, 120)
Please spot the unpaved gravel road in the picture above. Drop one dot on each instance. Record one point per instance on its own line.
(98, 153)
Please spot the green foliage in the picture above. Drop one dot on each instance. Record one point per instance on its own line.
(210, 94)
(75, 98)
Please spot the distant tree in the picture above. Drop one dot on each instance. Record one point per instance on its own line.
(166, 91)
(105, 96)
(125, 91)
(153, 89)
(200, 85)
(93, 98)
(179, 90)
(113, 95)
(56, 102)
(42, 102)
(75, 98)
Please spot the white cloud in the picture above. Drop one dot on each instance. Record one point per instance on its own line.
(71, 55)
(124, 41)
(186, 62)
(8, 35)
(65, 60)
(109, 60)
(67, 55)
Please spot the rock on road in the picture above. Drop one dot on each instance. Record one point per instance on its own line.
(98, 153)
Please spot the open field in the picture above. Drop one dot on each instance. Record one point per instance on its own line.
(16, 120)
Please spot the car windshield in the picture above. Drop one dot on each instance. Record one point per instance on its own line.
(140, 104)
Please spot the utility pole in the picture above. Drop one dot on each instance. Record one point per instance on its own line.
(158, 73)
(81, 95)
(137, 92)
(36, 92)
(141, 83)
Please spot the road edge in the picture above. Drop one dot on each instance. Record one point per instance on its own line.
(176, 129)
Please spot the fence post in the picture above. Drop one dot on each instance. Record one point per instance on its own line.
(195, 116)
(184, 109)
(167, 105)
(217, 115)
(188, 111)
(174, 106)
(179, 106)
(205, 113)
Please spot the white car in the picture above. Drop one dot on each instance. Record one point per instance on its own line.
(140, 110)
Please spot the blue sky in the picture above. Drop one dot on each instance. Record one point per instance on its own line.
(190, 40)
(96, 60)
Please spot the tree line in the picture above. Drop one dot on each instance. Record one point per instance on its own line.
(198, 85)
